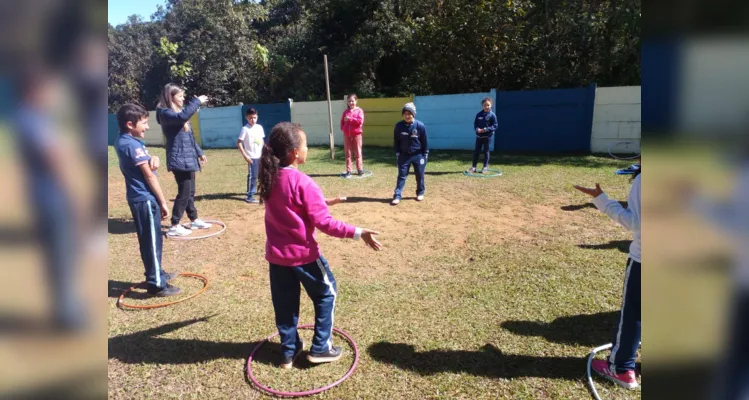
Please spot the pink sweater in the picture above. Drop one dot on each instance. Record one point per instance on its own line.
(296, 207)
(353, 126)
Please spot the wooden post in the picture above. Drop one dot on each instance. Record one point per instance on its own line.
(330, 108)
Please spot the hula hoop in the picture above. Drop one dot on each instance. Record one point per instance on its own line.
(477, 174)
(308, 392)
(365, 174)
(623, 158)
(190, 237)
(122, 304)
(590, 360)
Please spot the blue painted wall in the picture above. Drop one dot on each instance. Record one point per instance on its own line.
(556, 120)
(660, 77)
(112, 130)
(268, 115)
(220, 126)
(449, 118)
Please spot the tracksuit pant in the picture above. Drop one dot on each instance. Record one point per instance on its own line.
(147, 217)
(628, 332)
(404, 164)
(320, 285)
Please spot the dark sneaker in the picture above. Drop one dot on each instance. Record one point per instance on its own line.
(333, 354)
(169, 290)
(360, 172)
(347, 175)
(288, 362)
(253, 201)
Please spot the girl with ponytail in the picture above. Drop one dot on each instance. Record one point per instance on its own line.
(294, 208)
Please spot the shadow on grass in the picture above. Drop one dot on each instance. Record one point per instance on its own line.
(386, 156)
(119, 226)
(116, 288)
(221, 196)
(621, 245)
(147, 347)
(588, 330)
(367, 200)
(489, 361)
(576, 207)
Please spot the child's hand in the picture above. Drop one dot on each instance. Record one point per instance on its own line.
(346, 118)
(164, 211)
(203, 159)
(334, 200)
(203, 99)
(369, 238)
(154, 163)
(590, 192)
(248, 159)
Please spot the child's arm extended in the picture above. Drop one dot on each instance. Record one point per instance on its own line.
(334, 200)
(153, 183)
(319, 215)
(627, 217)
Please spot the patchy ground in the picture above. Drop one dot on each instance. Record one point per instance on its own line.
(490, 288)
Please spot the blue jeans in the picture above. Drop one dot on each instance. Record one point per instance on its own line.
(252, 170)
(404, 164)
(321, 288)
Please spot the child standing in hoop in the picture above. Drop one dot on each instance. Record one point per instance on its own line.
(294, 208)
(352, 121)
(485, 124)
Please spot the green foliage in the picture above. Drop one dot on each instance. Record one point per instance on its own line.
(271, 50)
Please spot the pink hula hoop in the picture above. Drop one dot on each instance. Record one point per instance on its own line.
(308, 392)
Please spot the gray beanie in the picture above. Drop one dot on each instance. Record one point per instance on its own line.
(410, 107)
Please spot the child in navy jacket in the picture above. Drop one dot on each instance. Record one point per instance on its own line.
(411, 148)
(485, 124)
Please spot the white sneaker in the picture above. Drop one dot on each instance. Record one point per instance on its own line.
(199, 224)
(178, 230)
(420, 197)
(395, 202)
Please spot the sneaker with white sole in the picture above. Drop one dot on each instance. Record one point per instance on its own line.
(178, 230)
(485, 170)
(420, 197)
(625, 379)
(395, 202)
(199, 224)
(334, 354)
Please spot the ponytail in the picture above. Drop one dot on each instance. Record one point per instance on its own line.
(283, 139)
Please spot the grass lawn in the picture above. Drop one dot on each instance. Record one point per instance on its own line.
(490, 288)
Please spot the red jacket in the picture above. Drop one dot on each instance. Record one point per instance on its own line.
(353, 126)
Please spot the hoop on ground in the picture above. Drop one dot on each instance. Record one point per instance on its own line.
(590, 361)
(122, 304)
(191, 237)
(628, 144)
(365, 174)
(279, 393)
(493, 173)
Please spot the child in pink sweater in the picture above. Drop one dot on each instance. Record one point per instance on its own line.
(294, 207)
(352, 121)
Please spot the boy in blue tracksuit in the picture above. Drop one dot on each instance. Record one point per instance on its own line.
(485, 124)
(144, 196)
(411, 148)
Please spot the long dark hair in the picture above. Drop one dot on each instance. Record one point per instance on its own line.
(283, 139)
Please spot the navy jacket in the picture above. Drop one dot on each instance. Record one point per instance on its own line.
(182, 151)
(485, 120)
(410, 139)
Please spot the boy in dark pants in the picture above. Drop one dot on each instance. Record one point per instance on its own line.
(144, 195)
(411, 148)
(485, 124)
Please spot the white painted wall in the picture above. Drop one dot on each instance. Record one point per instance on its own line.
(313, 116)
(616, 118)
